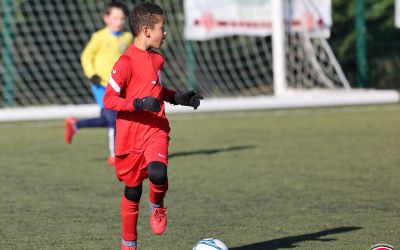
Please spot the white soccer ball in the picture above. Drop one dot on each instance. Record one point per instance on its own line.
(210, 244)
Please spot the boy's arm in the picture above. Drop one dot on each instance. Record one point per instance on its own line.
(190, 98)
(119, 77)
(113, 101)
(167, 94)
(88, 55)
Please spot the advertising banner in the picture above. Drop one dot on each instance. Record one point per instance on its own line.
(207, 19)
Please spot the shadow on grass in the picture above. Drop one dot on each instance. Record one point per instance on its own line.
(188, 153)
(291, 241)
(208, 151)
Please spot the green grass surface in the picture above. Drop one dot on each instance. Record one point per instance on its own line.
(306, 179)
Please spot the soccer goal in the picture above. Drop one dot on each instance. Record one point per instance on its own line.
(287, 62)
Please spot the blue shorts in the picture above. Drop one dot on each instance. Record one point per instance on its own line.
(98, 94)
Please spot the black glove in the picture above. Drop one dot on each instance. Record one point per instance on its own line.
(147, 103)
(190, 98)
(95, 79)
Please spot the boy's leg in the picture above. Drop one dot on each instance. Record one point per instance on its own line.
(156, 154)
(72, 125)
(111, 146)
(98, 122)
(111, 116)
(128, 169)
(129, 214)
(158, 182)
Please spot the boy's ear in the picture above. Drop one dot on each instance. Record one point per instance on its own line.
(146, 31)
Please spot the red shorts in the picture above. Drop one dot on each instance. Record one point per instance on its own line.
(132, 168)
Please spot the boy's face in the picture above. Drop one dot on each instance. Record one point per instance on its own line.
(158, 33)
(115, 19)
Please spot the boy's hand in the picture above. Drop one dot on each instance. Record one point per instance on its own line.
(147, 103)
(190, 98)
(95, 80)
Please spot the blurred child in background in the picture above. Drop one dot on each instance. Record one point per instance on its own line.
(98, 57)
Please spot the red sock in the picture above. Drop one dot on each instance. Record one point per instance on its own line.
(129, 217)
(157, 192)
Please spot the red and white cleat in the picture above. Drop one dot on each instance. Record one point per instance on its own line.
(158, 220)
(69, 129)
(111, 161)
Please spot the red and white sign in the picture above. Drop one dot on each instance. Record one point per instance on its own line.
(207, 19)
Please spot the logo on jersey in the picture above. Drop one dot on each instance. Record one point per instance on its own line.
(382, 247)
(161, 155)
(158, 78)
(114, 71)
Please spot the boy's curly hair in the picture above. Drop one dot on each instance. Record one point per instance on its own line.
(143, 14)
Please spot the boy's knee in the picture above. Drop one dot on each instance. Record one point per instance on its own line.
(133, 193)
(157, 172)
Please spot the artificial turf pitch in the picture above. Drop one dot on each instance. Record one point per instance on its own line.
(306, 179)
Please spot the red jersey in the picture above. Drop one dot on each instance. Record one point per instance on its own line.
(136, 74)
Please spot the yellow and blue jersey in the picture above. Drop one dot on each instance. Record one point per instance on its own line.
(102, 51)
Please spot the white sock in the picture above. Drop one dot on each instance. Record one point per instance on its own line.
(129, 243)
(152, 206)
(111, 141)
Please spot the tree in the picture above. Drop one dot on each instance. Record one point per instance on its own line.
(383, 48)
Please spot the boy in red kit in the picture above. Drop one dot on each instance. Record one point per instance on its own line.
(141, 148)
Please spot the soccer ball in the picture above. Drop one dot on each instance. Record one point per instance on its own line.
(210, 244)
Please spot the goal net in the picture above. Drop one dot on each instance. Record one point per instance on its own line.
(41, 43)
